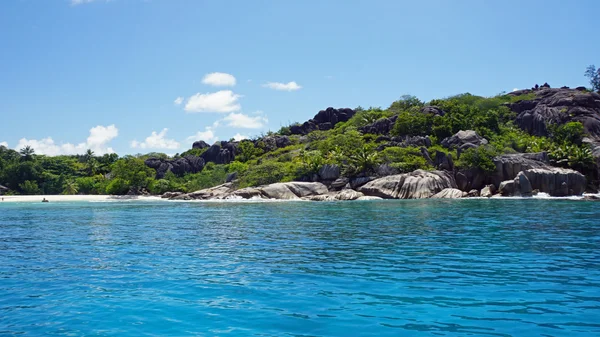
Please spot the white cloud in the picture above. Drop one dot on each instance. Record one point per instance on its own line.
(5, 144)
(290, 86)
(157, 141)
(97, 141)
(237, 137)
(221, 101)
(515, 89)
(178, 100)
(208, 135)
(219, 80)
(239, 120)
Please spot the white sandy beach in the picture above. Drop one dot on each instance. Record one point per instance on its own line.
(71, 198)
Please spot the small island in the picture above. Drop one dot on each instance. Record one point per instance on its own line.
(538, 140)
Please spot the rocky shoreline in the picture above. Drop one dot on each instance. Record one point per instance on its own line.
(529, 177)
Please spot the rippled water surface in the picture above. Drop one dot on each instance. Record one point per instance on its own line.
(390, 268)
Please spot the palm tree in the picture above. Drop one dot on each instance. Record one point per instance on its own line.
(27, 152)
(71, 187)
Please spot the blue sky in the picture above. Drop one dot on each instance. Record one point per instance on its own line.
(107, 75)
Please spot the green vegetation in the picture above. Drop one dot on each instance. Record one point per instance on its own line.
(594, 75)
(355, 152)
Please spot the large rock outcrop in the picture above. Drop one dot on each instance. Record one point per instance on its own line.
(558, 182)
(179, 166)
(382, 126)
(220, 153)
(463, 137)
(449, 193)
(509, 165)
(558, 106)
(271, 143)
(323, 120)
(286, 191)
(415, 185)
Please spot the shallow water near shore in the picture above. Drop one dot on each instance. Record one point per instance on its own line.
(374, 268)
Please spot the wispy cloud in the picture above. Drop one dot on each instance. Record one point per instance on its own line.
(219, 79)
(221, 101)
(290, 86)
(5, 144)
(157, 141)
(178, 100)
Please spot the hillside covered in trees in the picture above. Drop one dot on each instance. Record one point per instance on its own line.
(465, 135)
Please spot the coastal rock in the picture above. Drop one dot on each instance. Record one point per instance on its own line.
(473, 194)
(248, 193)
(558, 106)
(463, 137)
(348, 195)
(488, 191)
(509, 165)
(558, 182)
(591, 197)
(443, 161)
(342, 195)
(329, 172)
(522, 185)
(292, 190)
(339, 183)
(216, 192)
(323, 120)
(170, 195)
(179, 166)
(415, 185)
(507, 188)
(469, 179)
(357, 182)
(449, 193)
(369, 197)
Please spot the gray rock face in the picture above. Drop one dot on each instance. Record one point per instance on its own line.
(284, 191)
(220, 153)
(381, 126)
(488, 191)
(415, 185)
(369, 197)
(342, 195)
(463, 137)
(179, 166)
(558, 182)
(170, 195)
(217, 192)
(329, 172)
(272, 143)
(231, 177)
(434, 110)
(200, 145)
(473, 193)
(339, 183)
(558, 106)
(355, 183)
(323, 120)
(443, 161)
(508, 166)
(522, 185)
(507, 188)
(469, 179)
(449, 193)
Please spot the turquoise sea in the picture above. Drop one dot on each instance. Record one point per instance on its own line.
(388, 268)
